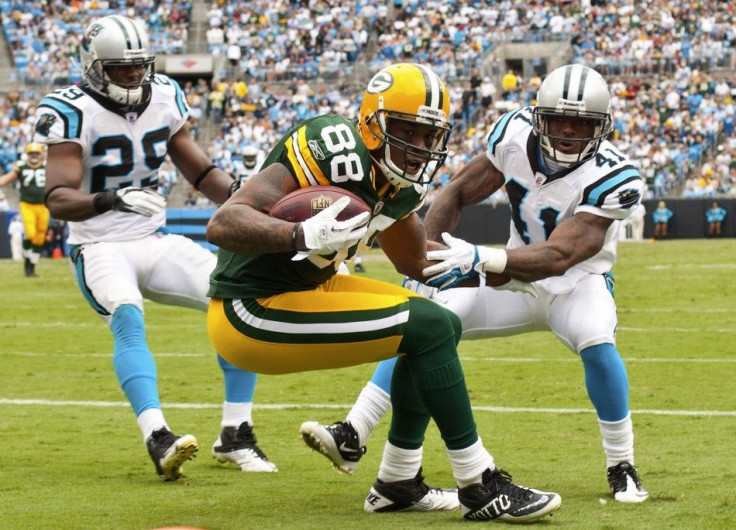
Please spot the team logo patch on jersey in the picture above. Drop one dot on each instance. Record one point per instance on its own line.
(316, 150)
(628, 197)
(44, 124)
(132, 117)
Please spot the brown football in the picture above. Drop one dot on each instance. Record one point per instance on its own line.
(304, 203)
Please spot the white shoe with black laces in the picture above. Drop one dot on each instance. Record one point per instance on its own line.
(411, 495)
(625, 483)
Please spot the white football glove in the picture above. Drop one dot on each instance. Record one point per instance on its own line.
(324, 234)
(423, 290)
(143, 201)
(462, 261)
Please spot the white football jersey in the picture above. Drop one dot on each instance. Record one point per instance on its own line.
(118, 149)
(242, 173)
(607, 185)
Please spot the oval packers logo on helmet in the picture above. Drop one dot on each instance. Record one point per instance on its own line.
(380, 82)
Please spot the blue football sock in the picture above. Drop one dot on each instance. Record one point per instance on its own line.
(134, 364)
(606, 381)
(239, 384)
(382, 376)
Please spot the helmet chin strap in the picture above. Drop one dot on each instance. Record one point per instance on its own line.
(392, 172)
(550, 165)
(124, 96)
(556, 159)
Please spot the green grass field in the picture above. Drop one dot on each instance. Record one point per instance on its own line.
(72, 455)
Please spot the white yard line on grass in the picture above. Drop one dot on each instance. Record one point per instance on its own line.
(284, 406)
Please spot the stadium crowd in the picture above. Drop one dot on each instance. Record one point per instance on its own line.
(287, 61)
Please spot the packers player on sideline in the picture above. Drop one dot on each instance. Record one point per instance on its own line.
(31, 175)
(278, 305)
(568, 187)
(107, 139)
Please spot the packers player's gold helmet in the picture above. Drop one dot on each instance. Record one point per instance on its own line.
(34, 154)
(408, 93)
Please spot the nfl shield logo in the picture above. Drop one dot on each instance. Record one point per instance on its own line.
(319, 203)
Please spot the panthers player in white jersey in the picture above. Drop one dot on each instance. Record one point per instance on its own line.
(250, 164)
(106, 141)
(568, 189)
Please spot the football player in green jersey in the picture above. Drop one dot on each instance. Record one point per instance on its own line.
(31, 175)
(278, 305)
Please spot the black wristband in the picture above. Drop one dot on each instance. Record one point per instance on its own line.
(51, 190)
(104, 201)
(202, 175)
(294, 235)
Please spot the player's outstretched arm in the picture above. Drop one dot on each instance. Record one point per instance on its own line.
(573, 241)
(197, 168)
(9, 177)
(473, 183)
(576, 239)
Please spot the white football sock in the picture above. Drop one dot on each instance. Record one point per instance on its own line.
(233, 414)
(469, 464)
(372, 403)
(151, 420)
(618, 441)
(399, 464)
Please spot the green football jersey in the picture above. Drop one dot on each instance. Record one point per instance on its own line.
(32, 181)
(326, 150)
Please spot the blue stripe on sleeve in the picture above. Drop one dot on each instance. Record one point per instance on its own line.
(596, 195)
(499, 130)
(180, 99)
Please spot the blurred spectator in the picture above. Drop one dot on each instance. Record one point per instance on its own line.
(4, 204)
(661, 217)
(637, 222)
(715, 216)
(487, 90)
(509, 84)
(56, 236)
(16, 233)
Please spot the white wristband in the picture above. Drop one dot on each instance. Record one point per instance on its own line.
(492, 259)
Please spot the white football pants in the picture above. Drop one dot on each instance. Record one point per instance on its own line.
(583, 317)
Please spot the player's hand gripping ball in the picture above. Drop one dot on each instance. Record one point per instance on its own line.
(304, 203)
(330, 217)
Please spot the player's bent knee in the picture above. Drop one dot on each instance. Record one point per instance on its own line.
(429, 324)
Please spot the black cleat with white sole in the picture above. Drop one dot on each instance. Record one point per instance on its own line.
(496, 497)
